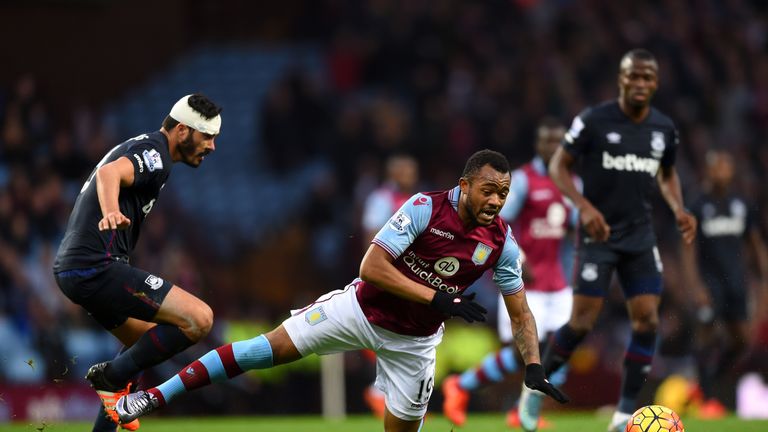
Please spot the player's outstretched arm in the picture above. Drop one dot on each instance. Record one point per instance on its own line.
(591, 219)
(523, 326)
(109, 179)
(377, 268)
(527, 341)
(669, 185)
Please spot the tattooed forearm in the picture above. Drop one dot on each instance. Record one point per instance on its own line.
(523, 327)
(526, 338)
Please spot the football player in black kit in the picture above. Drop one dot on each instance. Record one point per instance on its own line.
(727, 223)
(151, 317)
(624, 146)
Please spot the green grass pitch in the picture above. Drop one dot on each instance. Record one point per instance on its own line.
(581, 422)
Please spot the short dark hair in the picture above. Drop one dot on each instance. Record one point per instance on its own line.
(169, 123)
(550, 122)
(482, 158)
(201, 104)
(641, 54)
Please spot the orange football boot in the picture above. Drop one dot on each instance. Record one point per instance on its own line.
(455, 400)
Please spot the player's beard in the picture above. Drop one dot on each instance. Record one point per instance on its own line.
(187, 149)
(472, 213)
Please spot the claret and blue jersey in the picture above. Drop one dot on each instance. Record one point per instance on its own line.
(540, 217)
(431, 246)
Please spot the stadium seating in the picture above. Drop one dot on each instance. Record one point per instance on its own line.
(232, 193)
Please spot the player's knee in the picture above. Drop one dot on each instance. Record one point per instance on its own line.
(645, 323)
(283, 348)
(582, 323)
(200, 323)
(581, 327)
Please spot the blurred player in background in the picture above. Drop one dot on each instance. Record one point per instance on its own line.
(727, 221)
(411, 280)
(540, 217)
(402, 176)
(624, 146)
(151, 317)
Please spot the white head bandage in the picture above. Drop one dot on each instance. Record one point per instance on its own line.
(184, 114)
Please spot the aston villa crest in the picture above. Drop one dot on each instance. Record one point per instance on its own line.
(481, 254)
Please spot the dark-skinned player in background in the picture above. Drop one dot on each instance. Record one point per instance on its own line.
(715, 266)
(625, 147)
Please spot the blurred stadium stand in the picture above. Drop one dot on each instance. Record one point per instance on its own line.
(237, 195)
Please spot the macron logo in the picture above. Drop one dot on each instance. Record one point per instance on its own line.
(630, 162)
(444, 234)
(420, 201)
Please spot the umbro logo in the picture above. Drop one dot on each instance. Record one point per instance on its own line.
(420, 201)
(613, 137)
(190, 371)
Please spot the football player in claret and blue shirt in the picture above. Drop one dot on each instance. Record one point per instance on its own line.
(625, 147)
(411, 280)
(151, 317)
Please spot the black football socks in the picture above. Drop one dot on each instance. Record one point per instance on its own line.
(561, 346)
(156, 345)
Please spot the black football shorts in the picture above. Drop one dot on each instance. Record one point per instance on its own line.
(639, 272)
(729, 295)
(114, 292)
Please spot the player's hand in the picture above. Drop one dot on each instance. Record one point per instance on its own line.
(594, 223)
(114, 220)
(686, 224)
(459, 305)
(535, 380)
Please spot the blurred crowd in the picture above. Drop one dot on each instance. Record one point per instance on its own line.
(437, 80)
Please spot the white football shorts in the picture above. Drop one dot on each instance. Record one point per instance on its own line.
(405, 365)
(551, 310)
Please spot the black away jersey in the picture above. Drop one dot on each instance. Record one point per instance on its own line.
(619, 161)
(724, 223)
(84, 245)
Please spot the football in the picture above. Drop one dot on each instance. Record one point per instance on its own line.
(654, 418)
